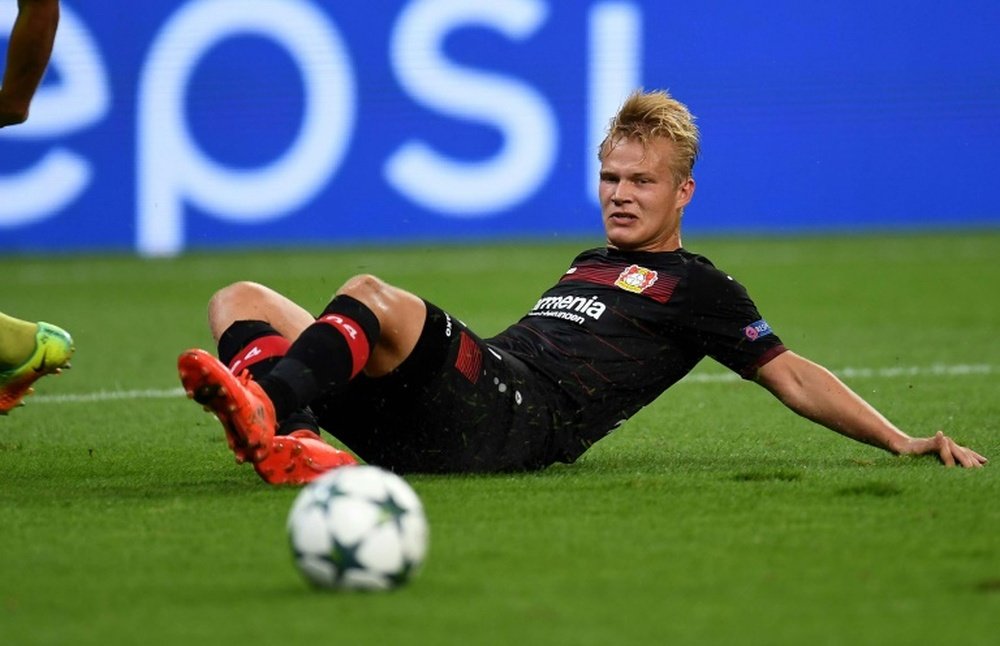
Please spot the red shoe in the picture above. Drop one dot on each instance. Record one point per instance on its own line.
(300, 457)
(240, 403)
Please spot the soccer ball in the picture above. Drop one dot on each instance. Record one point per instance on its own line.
(358, 527)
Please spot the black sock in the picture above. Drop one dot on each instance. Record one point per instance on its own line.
(255, 346)
(252, 345)
(329, 352)
(304, 418)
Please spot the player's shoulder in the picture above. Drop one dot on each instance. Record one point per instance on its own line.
(699, 264)
(704, 274)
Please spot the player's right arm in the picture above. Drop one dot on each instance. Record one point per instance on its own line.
(28, 53)
(817, 394)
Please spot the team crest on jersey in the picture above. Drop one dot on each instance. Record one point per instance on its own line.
(636, 279)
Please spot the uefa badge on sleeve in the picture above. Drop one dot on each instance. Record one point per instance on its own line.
(756, 330)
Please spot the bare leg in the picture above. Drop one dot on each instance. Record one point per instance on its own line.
(247, 301)
(400, 314)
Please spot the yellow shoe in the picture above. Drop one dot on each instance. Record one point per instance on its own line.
(53, 349)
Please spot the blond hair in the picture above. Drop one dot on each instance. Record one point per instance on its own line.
(647, 115)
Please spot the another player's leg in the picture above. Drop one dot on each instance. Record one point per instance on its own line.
(28, 352)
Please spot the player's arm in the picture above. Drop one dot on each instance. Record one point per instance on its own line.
(28, 54)
(817, 394)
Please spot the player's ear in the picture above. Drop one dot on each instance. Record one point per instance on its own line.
(685, 191)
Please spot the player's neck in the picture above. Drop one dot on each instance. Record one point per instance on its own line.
(673, 243)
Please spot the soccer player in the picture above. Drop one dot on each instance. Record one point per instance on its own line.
(407, 386)
(28, 352)
(28, 53)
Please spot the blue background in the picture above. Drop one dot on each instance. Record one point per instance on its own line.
(814, 116)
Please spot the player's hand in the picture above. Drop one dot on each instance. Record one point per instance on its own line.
(948, 451)
(11, 114)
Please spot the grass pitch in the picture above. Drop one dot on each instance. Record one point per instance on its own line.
(715, 516)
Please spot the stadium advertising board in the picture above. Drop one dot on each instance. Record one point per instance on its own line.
(171, 125)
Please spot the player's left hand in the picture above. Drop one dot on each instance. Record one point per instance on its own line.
(948, 451)
(11, 112)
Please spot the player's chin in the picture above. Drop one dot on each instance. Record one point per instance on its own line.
(624, 240)
(620, 230)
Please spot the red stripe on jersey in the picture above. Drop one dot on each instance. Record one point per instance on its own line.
(600, 274)
(357, 342)
(469, 361)
(663, 288)
(265, 347)
(751, 371)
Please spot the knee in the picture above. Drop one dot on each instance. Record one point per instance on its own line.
(233, 302)
(387, 302)
(238, 292)
(365, 288)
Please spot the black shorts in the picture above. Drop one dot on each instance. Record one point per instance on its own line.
(455, 405)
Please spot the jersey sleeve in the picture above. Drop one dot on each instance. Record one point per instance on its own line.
(725, 324)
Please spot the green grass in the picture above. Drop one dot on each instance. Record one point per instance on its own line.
(713, 517)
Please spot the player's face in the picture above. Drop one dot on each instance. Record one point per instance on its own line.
(641, 202)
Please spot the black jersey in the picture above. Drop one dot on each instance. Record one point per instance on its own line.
(620, 327)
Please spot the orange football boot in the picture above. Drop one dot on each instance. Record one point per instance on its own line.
(299, 458)
(239, 402)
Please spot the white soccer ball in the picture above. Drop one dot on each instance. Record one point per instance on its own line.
(358, 527)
